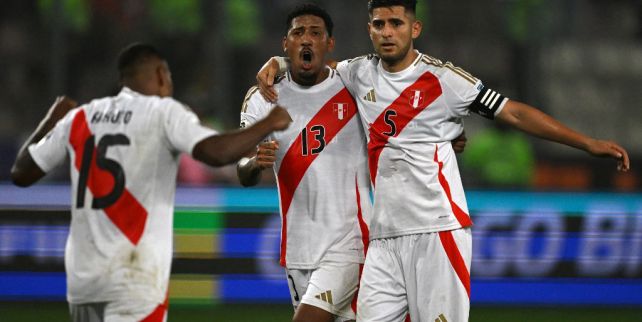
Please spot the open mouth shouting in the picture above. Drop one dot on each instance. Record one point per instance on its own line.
(306, 58)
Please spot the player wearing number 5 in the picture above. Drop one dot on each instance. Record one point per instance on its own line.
(124, 155)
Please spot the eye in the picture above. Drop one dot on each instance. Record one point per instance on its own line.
(378, 24)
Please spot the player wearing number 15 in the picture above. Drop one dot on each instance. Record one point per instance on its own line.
(124, 155)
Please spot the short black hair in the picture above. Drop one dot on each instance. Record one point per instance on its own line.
(310, 9)
(409, 5)
(133, 55)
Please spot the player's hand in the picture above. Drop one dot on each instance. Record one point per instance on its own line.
(279, 118)
(265, 79)
(459, 143)
(610, 149)
(266, 155)
(61, 106)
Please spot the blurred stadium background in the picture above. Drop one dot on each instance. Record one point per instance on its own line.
(558, 235)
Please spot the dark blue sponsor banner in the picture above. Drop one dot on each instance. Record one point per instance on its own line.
(528, 248)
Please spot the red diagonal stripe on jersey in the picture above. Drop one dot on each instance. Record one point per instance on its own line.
(295, 164)
(427, 83)
(456, 260)
(462, 216)
(126, 213)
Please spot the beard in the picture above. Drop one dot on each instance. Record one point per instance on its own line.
(394, 57)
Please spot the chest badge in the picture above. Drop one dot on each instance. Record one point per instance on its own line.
(417, 98)
(340, 110)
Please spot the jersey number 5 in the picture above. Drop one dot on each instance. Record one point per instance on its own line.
(387, 117)
(319, 136)
(103, 163)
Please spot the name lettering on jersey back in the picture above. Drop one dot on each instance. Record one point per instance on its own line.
(115, 117)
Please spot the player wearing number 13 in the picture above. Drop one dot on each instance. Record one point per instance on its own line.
(124, 156)
(321, 170)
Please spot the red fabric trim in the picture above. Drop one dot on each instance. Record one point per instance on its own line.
(456, 260)
(158, 315)
(365, 232)
(462, 216)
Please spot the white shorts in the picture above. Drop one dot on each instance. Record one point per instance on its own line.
(424, 275)
(119, 311)
(331, 287)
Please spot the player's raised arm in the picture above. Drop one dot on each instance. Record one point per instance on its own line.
(536, 122)
(25, 171)
(229, 147)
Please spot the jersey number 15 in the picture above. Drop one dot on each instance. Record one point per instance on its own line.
(103, 163)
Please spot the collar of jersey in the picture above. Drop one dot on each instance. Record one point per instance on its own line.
(317, 87)
(128, 91)
(401, 73)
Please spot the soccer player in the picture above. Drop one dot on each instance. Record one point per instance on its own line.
(124, 154)
(321, 170)
(411, 105)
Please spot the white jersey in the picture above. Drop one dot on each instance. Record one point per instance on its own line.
(123, 157)
(411, 116)
(321, 171)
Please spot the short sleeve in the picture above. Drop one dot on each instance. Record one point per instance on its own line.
(254, 107)
(466, 94)
(51, 150)
(183, 128)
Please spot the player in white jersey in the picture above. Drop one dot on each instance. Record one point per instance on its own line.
(124, 153)
(419, 257)
(321, 172)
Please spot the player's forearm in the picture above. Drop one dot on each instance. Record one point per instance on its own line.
(537, 123)
(227, 148)
(248, 173)
(24, 171)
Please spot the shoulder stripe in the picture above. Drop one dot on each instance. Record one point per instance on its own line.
(457, 70)
(249, 94)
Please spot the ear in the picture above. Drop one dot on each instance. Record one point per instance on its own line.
(416, 29)
(284, 44)
(330, 44)
(160, 77)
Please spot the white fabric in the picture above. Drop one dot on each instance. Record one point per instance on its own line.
(413, 275)
(330, 282)
(409, 198)
(322, 220)
(102, 264)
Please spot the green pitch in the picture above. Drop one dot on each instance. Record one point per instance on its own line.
(27, 312)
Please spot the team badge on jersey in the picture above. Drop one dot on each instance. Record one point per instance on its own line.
(417, 98)
(341, 110)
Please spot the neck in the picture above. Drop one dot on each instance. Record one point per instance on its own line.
(401, 64)
(312, 79)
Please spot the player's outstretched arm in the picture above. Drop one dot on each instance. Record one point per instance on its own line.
(249, 169)
(536, 122)
(226, 148)
(25, 171)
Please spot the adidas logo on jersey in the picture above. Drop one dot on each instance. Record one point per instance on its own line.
(325, 296)
(441, 318)
(370, 96)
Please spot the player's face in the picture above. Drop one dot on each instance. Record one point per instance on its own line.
(392, 32)
(307, 44)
